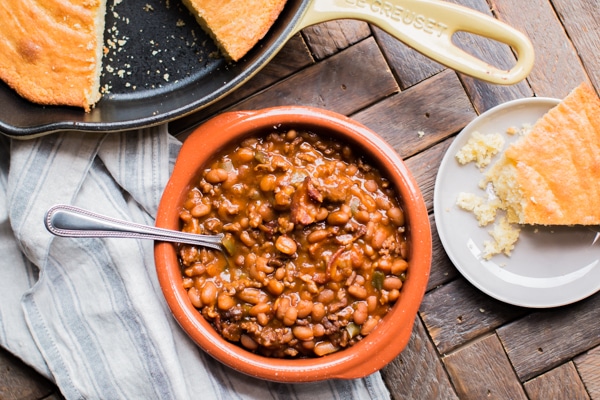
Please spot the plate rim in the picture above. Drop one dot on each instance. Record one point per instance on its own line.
(438, 212)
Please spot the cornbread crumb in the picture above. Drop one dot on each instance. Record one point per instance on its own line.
(480, 148)
(484, 210)
(505, 236)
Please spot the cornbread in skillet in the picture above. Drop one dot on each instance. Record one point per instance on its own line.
(51, 51)
(236, 26)
(550, 176)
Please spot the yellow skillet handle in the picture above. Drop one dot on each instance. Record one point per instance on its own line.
(428, 27)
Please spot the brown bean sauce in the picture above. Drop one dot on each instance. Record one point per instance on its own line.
(316, 245)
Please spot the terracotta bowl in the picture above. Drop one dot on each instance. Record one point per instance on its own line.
(391, 335)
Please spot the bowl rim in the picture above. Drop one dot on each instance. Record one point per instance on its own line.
(361, 359)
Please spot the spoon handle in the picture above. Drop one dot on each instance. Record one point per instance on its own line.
(69, 221)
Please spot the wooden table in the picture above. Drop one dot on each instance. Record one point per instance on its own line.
(465, 344)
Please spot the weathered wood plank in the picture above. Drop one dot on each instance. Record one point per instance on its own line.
(580, 18)
(560, 383)
(328, 38)
(336, 83)
(421, 116)
(485, 95)
(557, 69)
(481, 370)
(408, 65)
(588, 365)
(18, 381)
(424, 168)
(418, 373)
(442, 269)
(547, 338)
(457, 312)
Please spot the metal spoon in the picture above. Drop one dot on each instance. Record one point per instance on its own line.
(69, 221)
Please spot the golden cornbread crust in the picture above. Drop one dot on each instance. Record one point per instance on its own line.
(236, 26)
(550, 176)
(51, 50)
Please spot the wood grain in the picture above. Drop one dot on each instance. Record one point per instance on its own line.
(442, 269)
(418, 373)
(580, 18)
(339, 83)
(458, 312)
(588, 366)
(557, 69)
(481, 370)
(417, 118)
(18, 381)
(562, 382)
(545, 339)
(328, 38)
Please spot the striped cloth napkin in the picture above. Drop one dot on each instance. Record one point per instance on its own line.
(88, 313)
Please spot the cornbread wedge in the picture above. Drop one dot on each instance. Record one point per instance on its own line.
(236, 26)
(51, 50)
(551, 176)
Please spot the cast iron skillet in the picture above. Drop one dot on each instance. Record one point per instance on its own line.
(162, 66)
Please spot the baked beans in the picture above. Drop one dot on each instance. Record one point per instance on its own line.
(315, 245)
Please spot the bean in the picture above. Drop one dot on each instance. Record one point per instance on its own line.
(392, 282)
(200, 210)
(317, 235)
(383, 203)
(318, 312)
(263, 319)
(338, 218)
(188, 283)
(209, 293)
(303, 332)
(248, 342)
(393, 295)
(362, 216)
(351, 170)
(396, 215)
(399, 266)
(282, 307)
(251, 295)
(318, 330)
(326, 296)
(308, 344)
(371, 185)
(369, 325)
(322, 214)
(379, 237)
(385, 265)
(216, 175)
(268, 183)
(291, 314)
(360, 292)
(291, 134)
(279, 274)
(195, 270)
(360, 313)
(225, 301)
(194, 296)
(323, 348)
(371, 303)
(260, 308)
(304, 308)
(286, 245)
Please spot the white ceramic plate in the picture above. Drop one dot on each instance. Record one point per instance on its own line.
(549, 266)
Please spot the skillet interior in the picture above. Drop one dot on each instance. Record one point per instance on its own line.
(164, 67)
